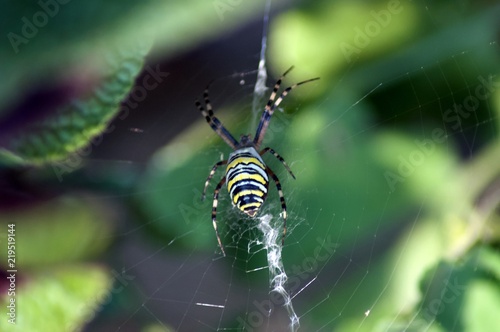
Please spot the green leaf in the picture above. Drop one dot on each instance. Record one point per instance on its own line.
(72, 126)
(57, 231)
(450, 291)
(60, 299)
(481, 306)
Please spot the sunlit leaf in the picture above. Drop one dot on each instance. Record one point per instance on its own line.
(59, 299)
(56, 231)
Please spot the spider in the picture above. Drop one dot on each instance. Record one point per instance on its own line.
(247, 175)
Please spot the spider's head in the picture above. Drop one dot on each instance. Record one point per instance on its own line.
(246, 141)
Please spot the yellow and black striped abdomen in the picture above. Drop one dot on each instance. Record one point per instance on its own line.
(247, 180)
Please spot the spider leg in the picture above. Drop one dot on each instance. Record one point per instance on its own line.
(282, 200)
(214, 212)
(266, 116)
(214, 123)
(276, 88)
(271, 106)
(279, 158)
(210, 176)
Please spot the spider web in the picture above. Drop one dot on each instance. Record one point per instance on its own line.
(348, 272)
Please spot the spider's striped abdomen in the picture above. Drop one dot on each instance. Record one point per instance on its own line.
(247, 180)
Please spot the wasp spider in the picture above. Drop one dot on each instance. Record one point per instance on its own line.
(247, 175)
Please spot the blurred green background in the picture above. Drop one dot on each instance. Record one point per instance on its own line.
(394, 216)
